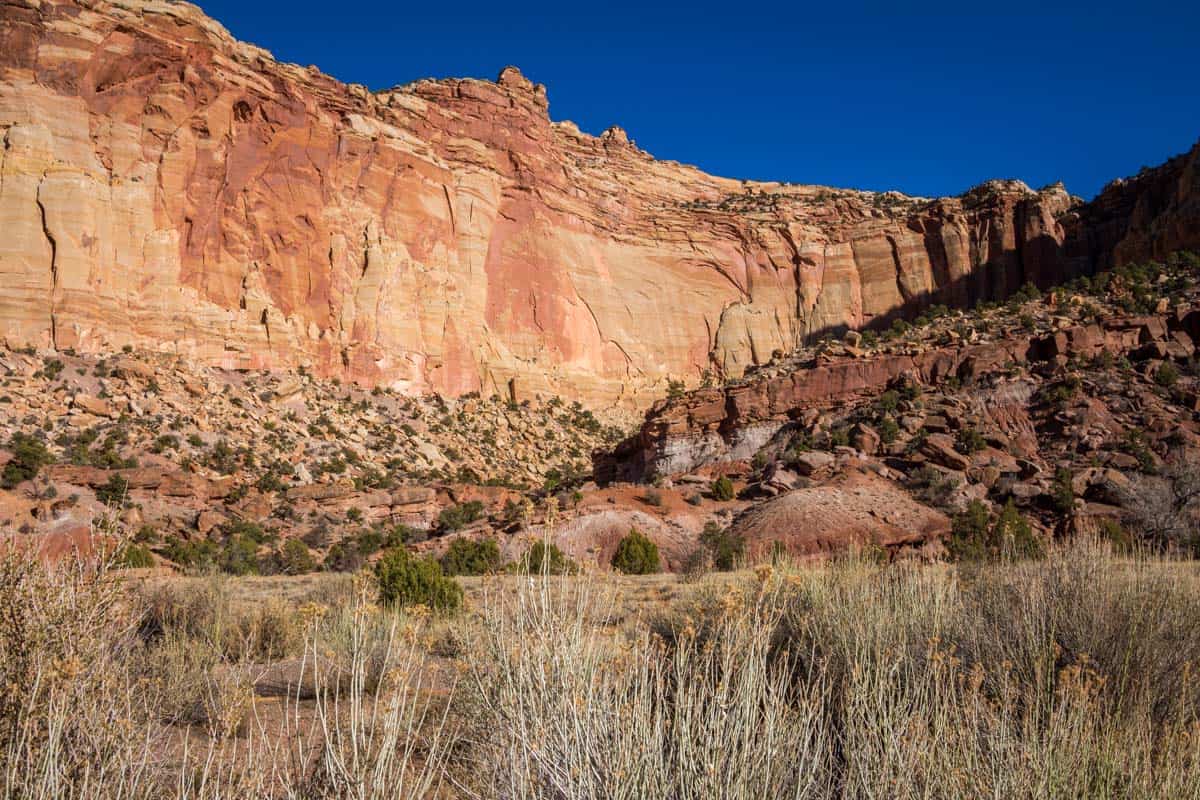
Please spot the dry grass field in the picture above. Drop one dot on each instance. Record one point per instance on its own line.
(1068, 677)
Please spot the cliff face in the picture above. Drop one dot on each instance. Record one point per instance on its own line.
(167, 186)
(1145, 217)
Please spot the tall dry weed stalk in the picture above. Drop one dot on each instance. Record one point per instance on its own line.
(106, 697)
(1064, 678)
(1069, 677)
(375, 731)
(570, 708)
(70, 711)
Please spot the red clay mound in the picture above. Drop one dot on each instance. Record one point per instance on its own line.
(861, 510)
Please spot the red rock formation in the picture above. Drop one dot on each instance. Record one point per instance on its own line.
(726, 424)
(855, 510)
(1148, 216)
(165, 185)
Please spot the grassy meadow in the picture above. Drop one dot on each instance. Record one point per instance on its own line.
(1073, 676)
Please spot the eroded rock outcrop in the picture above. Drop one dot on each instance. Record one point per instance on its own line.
(855, 510)
(725, 424)
(167, 186)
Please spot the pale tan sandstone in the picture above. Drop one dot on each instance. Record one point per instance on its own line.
(167, 186)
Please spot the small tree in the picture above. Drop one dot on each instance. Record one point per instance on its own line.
(722, 489)
(28, 456)
(1013, 535)
(968, 533)
(239, 556)
(197, 555)
(969, 441)
(1166, 375)
(455, 517)
(408, 581)
(724, 547)
(114, 491)
(636, 555)
(974, 537)
(1115, 534)
(889, 431)
(471, 557)
(888, 401)
(295, 558)
(553, 480)
(344, 556)
(134, 556)
(1062, 491)
(545, 558)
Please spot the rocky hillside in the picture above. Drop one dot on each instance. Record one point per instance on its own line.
(732, 423)
(165, 186)
(1061, 404)
(1063, 410)
(189, 452)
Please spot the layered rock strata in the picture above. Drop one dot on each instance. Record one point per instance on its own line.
(164, 185)
(718, 425)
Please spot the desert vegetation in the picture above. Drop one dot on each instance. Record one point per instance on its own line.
(1071, 674)
(354, 633)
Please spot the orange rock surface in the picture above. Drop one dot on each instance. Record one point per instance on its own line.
(167, 186)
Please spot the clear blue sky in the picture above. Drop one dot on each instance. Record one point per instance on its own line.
(929, 99)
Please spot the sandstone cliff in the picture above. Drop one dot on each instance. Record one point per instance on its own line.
(167, 186)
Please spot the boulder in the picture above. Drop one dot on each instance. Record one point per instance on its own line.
(96, 406)
(813, 461)
(865, 439)
(939, 448)
(824, 520)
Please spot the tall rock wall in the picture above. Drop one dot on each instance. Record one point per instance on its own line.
(164, 185)
(1148, 216)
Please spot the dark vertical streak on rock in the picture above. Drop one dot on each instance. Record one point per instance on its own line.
(53, 267)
